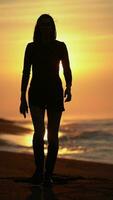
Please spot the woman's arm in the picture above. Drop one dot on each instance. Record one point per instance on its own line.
(25, 79)
(26, 70)
(67, 72)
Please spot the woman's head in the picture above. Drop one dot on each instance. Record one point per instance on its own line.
(45, 29)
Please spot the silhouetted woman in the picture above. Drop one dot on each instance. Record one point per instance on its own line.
(45, 93)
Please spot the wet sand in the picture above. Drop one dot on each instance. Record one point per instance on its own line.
(73, 179)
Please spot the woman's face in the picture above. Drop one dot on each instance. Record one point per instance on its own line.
(45, 28)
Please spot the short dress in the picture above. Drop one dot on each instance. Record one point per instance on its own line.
(46, 89)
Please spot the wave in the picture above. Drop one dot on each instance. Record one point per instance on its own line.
(89, 135)
(8, 144)
(96, 135)
(11, 127)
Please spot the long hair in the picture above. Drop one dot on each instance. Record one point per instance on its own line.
(37, 33)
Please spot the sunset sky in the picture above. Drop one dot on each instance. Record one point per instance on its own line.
(86, 26)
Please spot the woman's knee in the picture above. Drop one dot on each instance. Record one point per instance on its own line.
(53, 142)
(39, 129)
(38, 138)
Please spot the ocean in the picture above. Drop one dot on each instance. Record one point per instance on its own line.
(90, 140)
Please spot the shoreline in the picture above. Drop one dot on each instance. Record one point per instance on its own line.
(11, 160)
(58, 157)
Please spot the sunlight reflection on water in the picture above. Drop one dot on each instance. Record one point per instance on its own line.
(23, 140)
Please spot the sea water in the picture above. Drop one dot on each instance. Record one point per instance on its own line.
(90, 140)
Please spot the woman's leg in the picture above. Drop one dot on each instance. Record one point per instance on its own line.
(37, 115)
(53, 142)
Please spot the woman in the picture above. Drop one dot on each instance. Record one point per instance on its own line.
(45, 93)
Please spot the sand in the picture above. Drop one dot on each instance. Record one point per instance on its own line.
(73, 179)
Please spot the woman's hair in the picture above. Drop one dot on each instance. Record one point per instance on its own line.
(37, 33)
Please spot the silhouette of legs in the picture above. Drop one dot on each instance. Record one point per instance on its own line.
(53, 142)
(37, 115)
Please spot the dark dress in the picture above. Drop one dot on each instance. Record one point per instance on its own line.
(45, 89)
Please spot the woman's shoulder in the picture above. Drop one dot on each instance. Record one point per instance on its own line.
(30, 44)
(61, 46)
(60, 43)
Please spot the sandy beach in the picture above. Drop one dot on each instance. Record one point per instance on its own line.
(73, 180)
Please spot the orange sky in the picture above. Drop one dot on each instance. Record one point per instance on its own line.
(86, 27)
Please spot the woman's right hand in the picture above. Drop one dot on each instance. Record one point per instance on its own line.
(23, 107)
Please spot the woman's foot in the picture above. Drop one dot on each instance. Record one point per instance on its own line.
(36, 179)
(48, 182)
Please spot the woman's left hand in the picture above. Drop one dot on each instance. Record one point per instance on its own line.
(67, 94)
